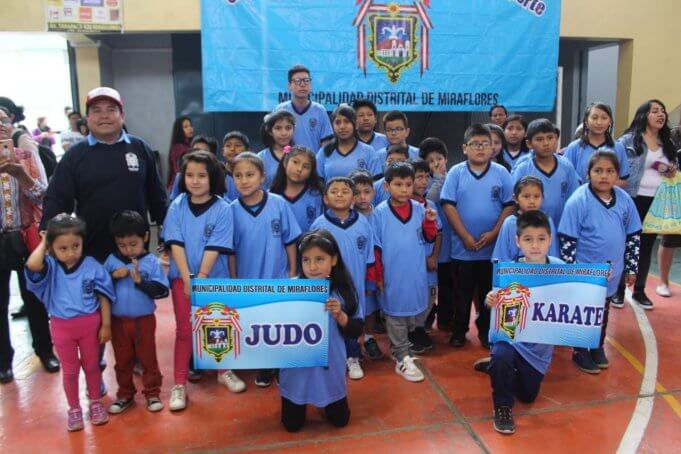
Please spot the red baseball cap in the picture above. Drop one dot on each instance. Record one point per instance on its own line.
(101, 93)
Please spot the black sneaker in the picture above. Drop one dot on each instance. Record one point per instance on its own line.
(482, 365)
(423, 338)
(415, 346)
(642, 300)
(372, 350)
(582, 357)
(503, 420)
(120, 405)
(617, 301)
(599, 358)
(379, 326)
(484, 342)
(194, 375)
(457, 342)
(264, 378)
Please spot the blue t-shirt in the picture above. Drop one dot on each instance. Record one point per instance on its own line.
(271, 165)
(130, 300)
(559, 184)
(355, 240)
(403, 253)
(340, 165)
(319, 386)
(261, 236)
(506, 249)
(600, 228)
(312, 124)
(514, 160)
(382, 154)
(579, 154)
(380, 193)
(479, 199)
(432, 275)
(378, 141)
(307, 206)
(199, 228)
(230, 193)
(70, 293)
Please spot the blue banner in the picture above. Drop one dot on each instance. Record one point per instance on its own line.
(549, 304)
(413, 55)
(259, 323)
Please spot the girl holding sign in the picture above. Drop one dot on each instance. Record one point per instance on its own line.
(318, 257)
(600, 224)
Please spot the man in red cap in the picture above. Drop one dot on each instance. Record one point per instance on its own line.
(109, 172)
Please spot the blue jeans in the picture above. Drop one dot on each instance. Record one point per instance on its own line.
(352, 347)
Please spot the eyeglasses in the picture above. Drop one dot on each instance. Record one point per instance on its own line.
(302, 80)
(394, 130)
(478, 145)
(6, 121)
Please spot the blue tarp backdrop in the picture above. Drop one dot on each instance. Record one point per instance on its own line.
(418, 55)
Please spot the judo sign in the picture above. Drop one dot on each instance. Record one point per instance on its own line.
(393, 40)
(514, 301)
(217, 331)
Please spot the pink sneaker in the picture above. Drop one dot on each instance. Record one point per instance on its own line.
(98, 414)
(75, 422)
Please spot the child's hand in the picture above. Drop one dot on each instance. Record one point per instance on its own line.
(629, 279)
(438, 167)
(431, 263)
(104, 334)
(187, 286)
(333, 306)
(469, 242)
(431, 214)
(492, 299)
(485, 239)
(135, 272)
(120, 273)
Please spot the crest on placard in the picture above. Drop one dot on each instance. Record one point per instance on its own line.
(514, 301)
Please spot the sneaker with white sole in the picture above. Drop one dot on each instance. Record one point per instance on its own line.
(409, 370)
(355, 371)
(231, 381)
(178, 398)
(120, 405)
(154, 404)
(663, 290)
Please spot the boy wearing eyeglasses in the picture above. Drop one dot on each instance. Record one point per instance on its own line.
(396, 128)
(312, 121)
(476, 197)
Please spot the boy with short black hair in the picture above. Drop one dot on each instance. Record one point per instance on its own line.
(395, 153)
(401, 228)
(138, 281)
(519, 368)
(367, 117)
(396, 127)
(477, 196)
(555, 172)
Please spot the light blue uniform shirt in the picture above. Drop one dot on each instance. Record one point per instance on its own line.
(312, 124)
(340, 165)
(579, 155)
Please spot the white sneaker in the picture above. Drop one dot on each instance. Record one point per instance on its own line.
(178, 398)
(231, 381)
(408, 369)
(355, 371)
(663, 290)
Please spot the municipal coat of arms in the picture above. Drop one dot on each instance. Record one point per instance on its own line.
(514, 301)
(217, 331)
(398, 35)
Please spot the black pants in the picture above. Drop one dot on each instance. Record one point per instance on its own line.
(647, 243)
(293, 415)
(473, 278)
(446, 295)
(512, 375)
(38, 320)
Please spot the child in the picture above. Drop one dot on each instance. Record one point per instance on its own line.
(401, 227)
(476, 197)
(265, 232)
(600, 224)
(395, 153)
(346, 152)
(396, 127)
(498, 145)
(528, 194)
(77, 293)
(418, 336)
(319, 257)
(233, 143)
(515, 127)
(298, 182)
(556, 173)
(434, 152)
(367, 117)
(353, 234)
(204, 143)
(596, 134)
(519, 368)
(364, 191)
(198, 228)
(277, 133)
(138, 281)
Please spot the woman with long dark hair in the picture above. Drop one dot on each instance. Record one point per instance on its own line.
(182, 134)
(651, 157)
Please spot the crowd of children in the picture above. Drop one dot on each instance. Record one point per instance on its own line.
(405, 243)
